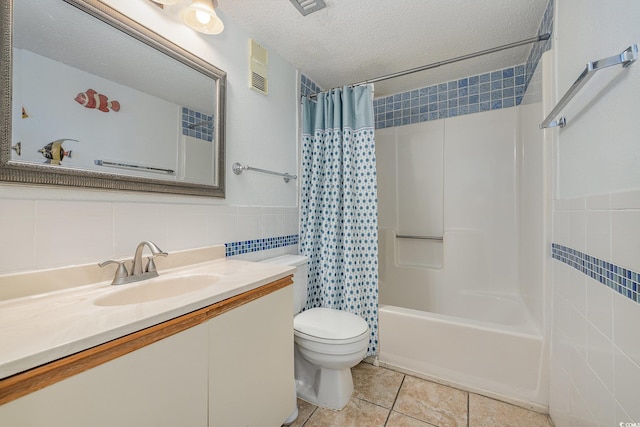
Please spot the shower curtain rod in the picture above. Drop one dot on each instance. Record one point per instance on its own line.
(538, 38)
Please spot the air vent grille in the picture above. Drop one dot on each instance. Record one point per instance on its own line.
(306, 7)
(258, 62)
(259, 83)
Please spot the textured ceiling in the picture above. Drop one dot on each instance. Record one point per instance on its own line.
(353, 40)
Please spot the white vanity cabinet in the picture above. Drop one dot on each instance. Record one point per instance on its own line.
(224, 365)
(251, 363)
(162, 384)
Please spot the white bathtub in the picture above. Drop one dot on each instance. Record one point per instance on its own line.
(484, 343)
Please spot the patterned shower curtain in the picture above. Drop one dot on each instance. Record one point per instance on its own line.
(339, 212)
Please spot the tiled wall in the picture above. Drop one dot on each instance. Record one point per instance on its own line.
(203, 128)
(248, 246)
(484, 92)
(308, 86)
(615, 277)
(473, 94)
(47, 233)
(595, 369)
(537, 49)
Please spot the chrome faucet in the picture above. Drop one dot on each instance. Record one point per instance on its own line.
(138, 273)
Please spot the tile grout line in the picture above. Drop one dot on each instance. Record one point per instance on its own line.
(395, 399)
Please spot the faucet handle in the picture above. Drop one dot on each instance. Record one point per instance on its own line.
(121, 271)
(151, 266)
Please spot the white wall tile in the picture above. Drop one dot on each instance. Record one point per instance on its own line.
(598, 234)
(625, 200)
(561, 227)
(17, 251)
(272, 224)
(598, 202)
(290, 224)
(600, 307)
(596, 396)
(627, 378)
(600, 357)
(625, 228)
(626, 326)
(72, 232)
(136, 222)
(186, 227)
(249, 223)
(222, 224)
(577, 230)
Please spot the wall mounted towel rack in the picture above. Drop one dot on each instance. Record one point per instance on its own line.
(238, 168)
(132, 166)
(626, 58)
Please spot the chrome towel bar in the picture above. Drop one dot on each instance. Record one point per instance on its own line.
(238, 168)
(626, 58)
(407, 236)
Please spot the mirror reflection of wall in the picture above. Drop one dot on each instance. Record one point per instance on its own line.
(86, 96)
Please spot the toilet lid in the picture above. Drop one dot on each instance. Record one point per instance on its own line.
(327, 323)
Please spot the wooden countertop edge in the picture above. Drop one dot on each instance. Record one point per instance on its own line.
(34, 379)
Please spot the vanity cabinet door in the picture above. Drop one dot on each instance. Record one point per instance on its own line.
(251, 380)
(162, 384)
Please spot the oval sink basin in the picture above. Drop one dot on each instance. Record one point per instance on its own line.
(157, 289)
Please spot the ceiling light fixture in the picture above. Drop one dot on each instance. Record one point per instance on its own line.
(201, 16)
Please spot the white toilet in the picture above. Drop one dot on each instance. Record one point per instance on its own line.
(328, 343)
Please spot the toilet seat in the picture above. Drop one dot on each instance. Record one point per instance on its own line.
(326, 325)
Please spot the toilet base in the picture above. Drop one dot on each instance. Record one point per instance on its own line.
(328, 388)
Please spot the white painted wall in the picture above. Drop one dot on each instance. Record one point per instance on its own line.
(595, 358)
(46, 227)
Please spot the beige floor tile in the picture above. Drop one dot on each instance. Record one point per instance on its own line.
(357, 413)
(485, 412)
(396, 419)
(305, 409)
(376, 385)
(432, 403)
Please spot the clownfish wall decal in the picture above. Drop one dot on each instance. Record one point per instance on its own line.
(93, 99)
(54, 152)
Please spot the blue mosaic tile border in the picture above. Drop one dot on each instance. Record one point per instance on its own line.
(537, 49)
(623, 281)
(483, 92)
(204, 122)
(247, 246)
(308, 86)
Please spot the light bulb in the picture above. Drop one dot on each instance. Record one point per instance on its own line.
(203, 17)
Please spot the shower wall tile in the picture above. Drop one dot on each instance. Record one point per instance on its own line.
(196, 124)
(473, 94)
(537, 49)
(308, 86)
(596, 306)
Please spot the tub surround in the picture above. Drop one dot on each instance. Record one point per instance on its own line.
(40, 328)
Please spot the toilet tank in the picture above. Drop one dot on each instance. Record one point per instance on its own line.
(299, 278)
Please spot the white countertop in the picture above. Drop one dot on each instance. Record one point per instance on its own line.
(41, 328)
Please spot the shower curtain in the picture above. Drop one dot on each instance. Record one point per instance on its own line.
(338, 209)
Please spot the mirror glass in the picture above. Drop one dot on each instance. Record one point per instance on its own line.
(98, 100)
